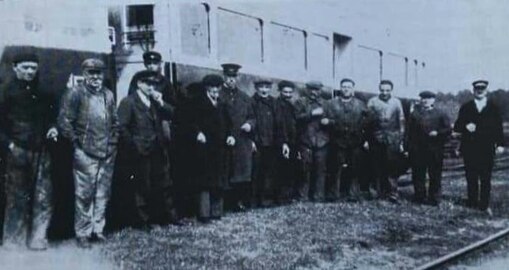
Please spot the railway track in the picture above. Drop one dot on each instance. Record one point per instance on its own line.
(457, 255)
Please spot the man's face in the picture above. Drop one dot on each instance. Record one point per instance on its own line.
(146, 87)
(427, 102)
(153, 66)
(263, 90)
(230, 81)
(314, 93)
(212, 91)
(287, 93)
(26, 71)
(94, 78)
(346, 89)
(385, 91)
(480, 91)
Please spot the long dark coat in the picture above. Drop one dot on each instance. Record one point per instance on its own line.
(207, 159)
(239, 160)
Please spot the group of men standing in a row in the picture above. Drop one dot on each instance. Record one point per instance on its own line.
(225, 148)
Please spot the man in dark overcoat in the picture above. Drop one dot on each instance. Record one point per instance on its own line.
(428, 130)
(141, 116)
(480, 125)
(239, 159)
(208, 129)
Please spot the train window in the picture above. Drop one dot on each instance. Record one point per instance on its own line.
(367, 68)
(395, 70)
(288, 51)
(140, 24)
(319, 56)
(195, 29)
(240, 37)
(342, 62)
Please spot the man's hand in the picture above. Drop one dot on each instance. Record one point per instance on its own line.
(499, 150)
(401, 148)
(325, 121)
(157, 97)
(471, 127)
(52, 134)
(285, 151)
(365, 146)
(433, 133)
(201, 138)
(246, 127)
(253, 147)
(317, 112)
(230, 141)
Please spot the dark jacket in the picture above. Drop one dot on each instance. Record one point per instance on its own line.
(26, 114)
(264, 122)
(141, 126)
(489, 129)
(421, 123)
(286, 115)
(92, 128)
(207, 158)
(311, 132)
(348, 122)
(239, 159)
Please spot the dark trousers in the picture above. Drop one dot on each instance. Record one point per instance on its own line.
(478, 168)
(238, 193)
(263, 180)
(28, 193)
(153, 198)
(427, 160)
(314, 163)
(385, 159)
(287, 175)
(210, 204)
(345, 172)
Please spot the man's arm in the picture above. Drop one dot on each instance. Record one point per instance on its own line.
(68, 114)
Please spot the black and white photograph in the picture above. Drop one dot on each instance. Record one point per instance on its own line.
(254, 134)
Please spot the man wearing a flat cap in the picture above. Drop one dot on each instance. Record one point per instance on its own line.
(88, 119)
(286, 142)
(208, 131)
(313, 140)
(266, 131)
(27, 127)
(238, 161)
(480, 125)
(141, 116)
(428, 131)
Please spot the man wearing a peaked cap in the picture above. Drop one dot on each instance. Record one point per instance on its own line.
(480, 125)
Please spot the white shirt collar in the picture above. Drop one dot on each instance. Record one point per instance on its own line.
(214, 102)
(143, 98)
(480, 104)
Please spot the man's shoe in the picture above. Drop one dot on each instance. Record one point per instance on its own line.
(38, 245)
(488, 212)
(100, 237)
(393, 199)
(83, 242)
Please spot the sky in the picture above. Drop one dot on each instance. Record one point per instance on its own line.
(459, 40)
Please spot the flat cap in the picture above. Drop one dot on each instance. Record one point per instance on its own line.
(230, 69)
(147, 76)
(212, 80)
(480, 83)
(427, 94)
(344, 80)
(152, 56)
(93, 63)
(261, 82)
(282, 84)
(25, 57)
(314, 85)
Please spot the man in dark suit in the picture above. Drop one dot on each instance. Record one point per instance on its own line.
(140, 118)
(480, 125)
(208, 130)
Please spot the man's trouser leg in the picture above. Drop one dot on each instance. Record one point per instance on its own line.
(435, 176)
(17, 192)
(307, 161)
(335, 170)
(142, 194)
(216, 204)
(472, 176)
(42, 201)
(354, 162)
(203, 198)
(162, 189)
(320, 173)
(379, 159)
(485, 177)
(103, 191)
(419, 176)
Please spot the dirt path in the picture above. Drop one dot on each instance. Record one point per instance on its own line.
(63, 256)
